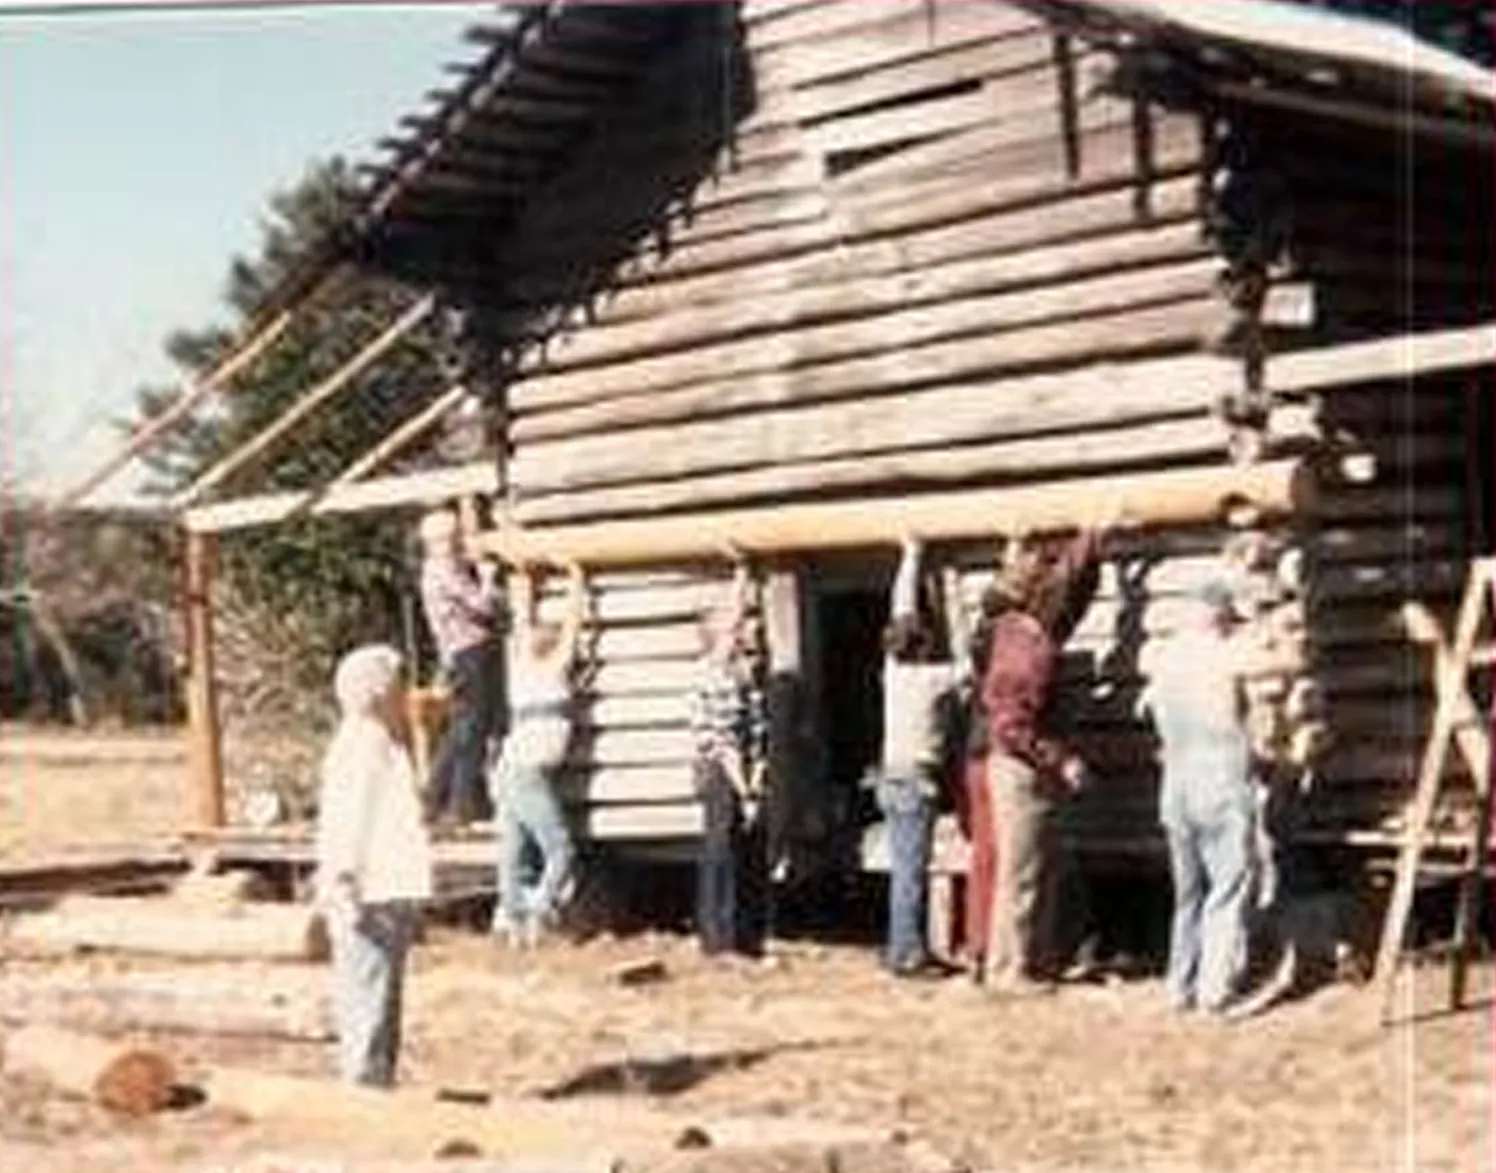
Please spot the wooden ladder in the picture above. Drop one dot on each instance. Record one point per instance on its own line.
(1458, 722)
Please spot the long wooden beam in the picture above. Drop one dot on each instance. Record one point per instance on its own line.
(415, 426)
(1176, 497)
(418, 488)
(308, 403)
(153, 429)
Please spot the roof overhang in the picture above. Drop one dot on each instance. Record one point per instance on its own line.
(1275, 53)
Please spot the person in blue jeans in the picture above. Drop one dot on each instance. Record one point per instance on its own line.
(1196, 698)
(522, 782)
(915, 681)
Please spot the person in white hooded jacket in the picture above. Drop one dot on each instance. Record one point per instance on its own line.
(373, 861)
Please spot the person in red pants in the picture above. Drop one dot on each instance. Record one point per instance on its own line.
(973, 801)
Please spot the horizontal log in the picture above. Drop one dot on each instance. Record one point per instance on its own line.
(636, 322)
(697, 325)
(1003, 176)
(885, 37)
(666, 780)
(654, 821)
(826, 23)
(170, 1001)
(1152, 446)
(266, 932)
(942, 66)
(745, 248)
(422, 488)
(1139, 333)
(123, 1077)
(1011, 99)
(1192, 495)
(950, 317)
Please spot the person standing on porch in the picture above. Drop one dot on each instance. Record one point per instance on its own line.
(462, 606)
(1028, 769)
(915, 682)
(373, 862)
(730, 734)
(1196, 697)
(523, 780)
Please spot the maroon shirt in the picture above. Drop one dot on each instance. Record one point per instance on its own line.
(1022, 660)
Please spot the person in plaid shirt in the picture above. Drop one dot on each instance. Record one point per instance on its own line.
(729, 730)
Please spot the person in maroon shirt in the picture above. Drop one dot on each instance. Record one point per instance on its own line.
(1026, 767)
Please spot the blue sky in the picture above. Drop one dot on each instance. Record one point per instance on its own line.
(136, 154)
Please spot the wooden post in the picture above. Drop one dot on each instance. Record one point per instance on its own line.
(205, 749)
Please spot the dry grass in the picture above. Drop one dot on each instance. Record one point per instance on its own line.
(63, 793)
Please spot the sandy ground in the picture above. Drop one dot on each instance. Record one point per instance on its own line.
(1097, 1076)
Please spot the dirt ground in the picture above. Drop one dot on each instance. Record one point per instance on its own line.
(1097, 1076)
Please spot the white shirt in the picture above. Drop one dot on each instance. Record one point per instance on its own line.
(912, 734)
(369, 818)
(539, 698)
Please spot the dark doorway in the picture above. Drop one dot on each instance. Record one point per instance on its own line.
(851, 627)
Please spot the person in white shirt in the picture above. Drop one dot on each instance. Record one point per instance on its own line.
(915, 684)
(522, 781)
(1206, 805)
(373, 861)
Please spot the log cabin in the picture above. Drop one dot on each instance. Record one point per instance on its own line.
(799, 276)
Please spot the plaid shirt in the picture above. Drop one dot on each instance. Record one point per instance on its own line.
(727, 711)
(459, 611)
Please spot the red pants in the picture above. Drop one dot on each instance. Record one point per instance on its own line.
(979, 877)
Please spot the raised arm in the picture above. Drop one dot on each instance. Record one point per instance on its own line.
(903, 601)
(1079, 572)
(576, 606)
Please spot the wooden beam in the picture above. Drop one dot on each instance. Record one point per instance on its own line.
(142, 437)
(403, 435)
(420, 488)
(204, 736)
(308, 403)
(1192, 495)
(1401, 356)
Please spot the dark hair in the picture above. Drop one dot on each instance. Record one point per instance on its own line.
(908, 640)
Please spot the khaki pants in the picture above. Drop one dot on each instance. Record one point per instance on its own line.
(1020, 816)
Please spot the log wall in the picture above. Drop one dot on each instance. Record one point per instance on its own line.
(843, 249)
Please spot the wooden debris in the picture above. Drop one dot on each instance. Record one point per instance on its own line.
(642, 971)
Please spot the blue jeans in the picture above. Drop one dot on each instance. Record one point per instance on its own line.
(368, 962)
(907, 809)
(457, 787)
(732, 885)
(1209, 824)
(529, 812)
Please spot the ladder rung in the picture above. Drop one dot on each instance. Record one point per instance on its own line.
(1483, 657)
